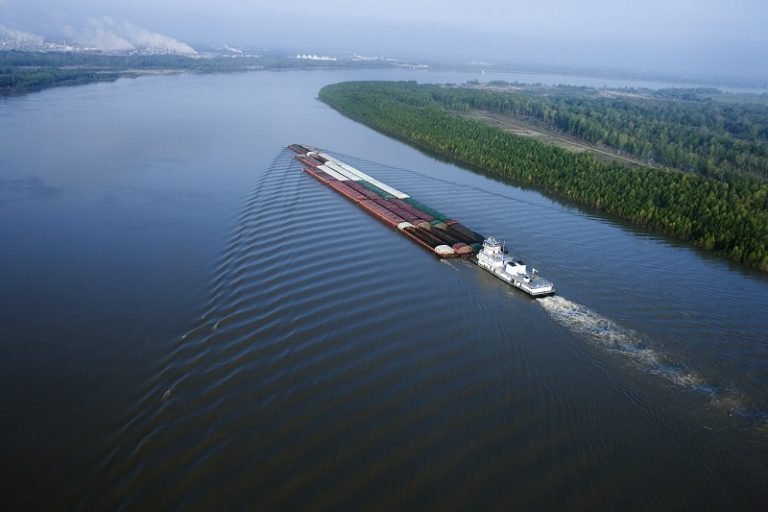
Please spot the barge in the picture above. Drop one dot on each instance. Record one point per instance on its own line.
(429, 228)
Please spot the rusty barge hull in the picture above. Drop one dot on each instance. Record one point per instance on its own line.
(430, 229)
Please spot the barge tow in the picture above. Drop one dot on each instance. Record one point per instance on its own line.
(444, 237)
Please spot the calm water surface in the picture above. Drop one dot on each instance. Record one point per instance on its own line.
(189, 321)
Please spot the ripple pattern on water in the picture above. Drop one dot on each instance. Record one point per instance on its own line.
(339, 366)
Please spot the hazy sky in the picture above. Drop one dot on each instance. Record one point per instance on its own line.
(687, 36)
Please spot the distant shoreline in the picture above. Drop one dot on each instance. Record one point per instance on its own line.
(26, 72)
(15, 63)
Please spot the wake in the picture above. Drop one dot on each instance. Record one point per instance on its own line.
(607, 335)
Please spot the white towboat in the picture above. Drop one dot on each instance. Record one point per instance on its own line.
(495, 260)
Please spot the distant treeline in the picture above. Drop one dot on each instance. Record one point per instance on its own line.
(16, 58)
(682, 128)
(728, 217)
(22, 72)
(19, 81)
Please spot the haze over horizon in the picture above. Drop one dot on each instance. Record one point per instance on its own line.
(715, 39)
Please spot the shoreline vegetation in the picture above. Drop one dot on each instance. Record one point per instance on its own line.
(702, 129)
(717, 208)
(23, 72)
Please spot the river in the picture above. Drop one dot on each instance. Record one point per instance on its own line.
(189, 321)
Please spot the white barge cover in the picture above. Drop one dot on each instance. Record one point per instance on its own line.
(331, 172)
(344, 172)
(360, 174)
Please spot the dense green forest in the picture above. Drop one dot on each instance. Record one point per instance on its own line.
(729, 217)
(684, 128)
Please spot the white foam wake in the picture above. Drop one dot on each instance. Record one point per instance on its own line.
(608, 335)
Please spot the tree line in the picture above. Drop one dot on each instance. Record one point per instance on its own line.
(19, 81)
(728, 217)
(22, 71)
(683, 128)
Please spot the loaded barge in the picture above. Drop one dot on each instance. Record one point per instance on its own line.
(447, 238)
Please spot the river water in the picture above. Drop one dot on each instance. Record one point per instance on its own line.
(189, 321)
